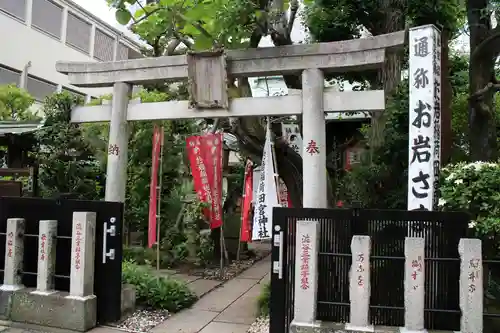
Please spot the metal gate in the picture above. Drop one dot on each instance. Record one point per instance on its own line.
(108, 280)
(388, 229)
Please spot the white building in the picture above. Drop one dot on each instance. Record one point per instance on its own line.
(37, 33)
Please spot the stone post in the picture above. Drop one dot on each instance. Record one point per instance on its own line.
(315, 196)
(82, 255)
(14, 251)
(414, 283)
(360, 288)
(47, 238)
(306, 272)
(116, 172)
(471, 285)
(314, 142)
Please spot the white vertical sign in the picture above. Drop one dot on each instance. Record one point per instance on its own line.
(425, 117)
(291, 134)
(267, 195)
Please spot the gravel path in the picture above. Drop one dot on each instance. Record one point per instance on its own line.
(261, 325)
(143, 320)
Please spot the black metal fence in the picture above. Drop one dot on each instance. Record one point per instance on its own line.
(107, 283)
(387, 229)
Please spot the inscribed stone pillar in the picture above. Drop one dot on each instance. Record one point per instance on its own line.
(306, 272)
(116, 172)
(47, 234)
(360, 288)
(14, 251)
(82, 255)
(314, 142)
(471, 285)
(414, 283)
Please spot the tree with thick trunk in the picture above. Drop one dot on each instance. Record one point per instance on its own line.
(484, 49)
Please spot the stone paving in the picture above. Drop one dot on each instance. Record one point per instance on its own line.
(232, 308)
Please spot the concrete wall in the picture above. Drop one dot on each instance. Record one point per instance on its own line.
(21, 43)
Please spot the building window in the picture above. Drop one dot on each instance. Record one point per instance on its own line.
(47, 16)
(103, 46)
(78, 33)
(16, 8)
(9, 76)
(122, 52)
(40, 89)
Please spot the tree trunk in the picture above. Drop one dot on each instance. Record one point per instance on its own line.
(446, 95)
(482, 122)
(389, 76)
(388, 79)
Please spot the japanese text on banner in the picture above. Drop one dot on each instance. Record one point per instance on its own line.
(267, 195)
(199, 172)
(211, 148)
(425, 118)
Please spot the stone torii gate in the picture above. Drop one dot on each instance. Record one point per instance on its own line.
(207, 73)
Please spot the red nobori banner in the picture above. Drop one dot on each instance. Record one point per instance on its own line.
(205, 156)
(153, 199)
(246, 232)
(211, 147)
(198, 171)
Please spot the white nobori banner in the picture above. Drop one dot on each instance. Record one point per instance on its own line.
(267, 195)
(425, 117)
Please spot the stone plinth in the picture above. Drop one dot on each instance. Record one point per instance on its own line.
(82, 255)
(414, 283)
(14, 251)
(471, 285)
(360, 288)
(47, 238)
(306, 271)
(54, 310)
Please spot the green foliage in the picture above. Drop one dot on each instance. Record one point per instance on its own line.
(15, 103)
(209, 23)
(66, 161)
(381, 181)
(264, 299)
(157, 292)
(183, 240)
(474, 188)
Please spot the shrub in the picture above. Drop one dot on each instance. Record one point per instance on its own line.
(157, 292)
(474, 188)
(264, 299)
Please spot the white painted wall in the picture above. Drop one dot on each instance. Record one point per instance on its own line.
(21, 44)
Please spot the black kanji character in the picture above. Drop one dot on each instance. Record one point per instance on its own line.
(420, 149)
(421, 79)
(423, 117)
(421, 178)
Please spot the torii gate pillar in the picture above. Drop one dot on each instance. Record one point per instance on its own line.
(116, 170)
(314, 147)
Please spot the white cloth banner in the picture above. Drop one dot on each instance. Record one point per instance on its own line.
(291, 134)
(267, 195)
(425, 118)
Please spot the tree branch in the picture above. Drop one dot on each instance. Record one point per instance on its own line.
(490, 87)
(294, 8)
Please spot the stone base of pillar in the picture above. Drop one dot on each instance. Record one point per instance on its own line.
(354, 328)
(10, 287)
(328, 327)
(54, 310)
(44, 293)
(5, 304)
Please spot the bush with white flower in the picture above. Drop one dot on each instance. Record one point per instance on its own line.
(475, 188)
